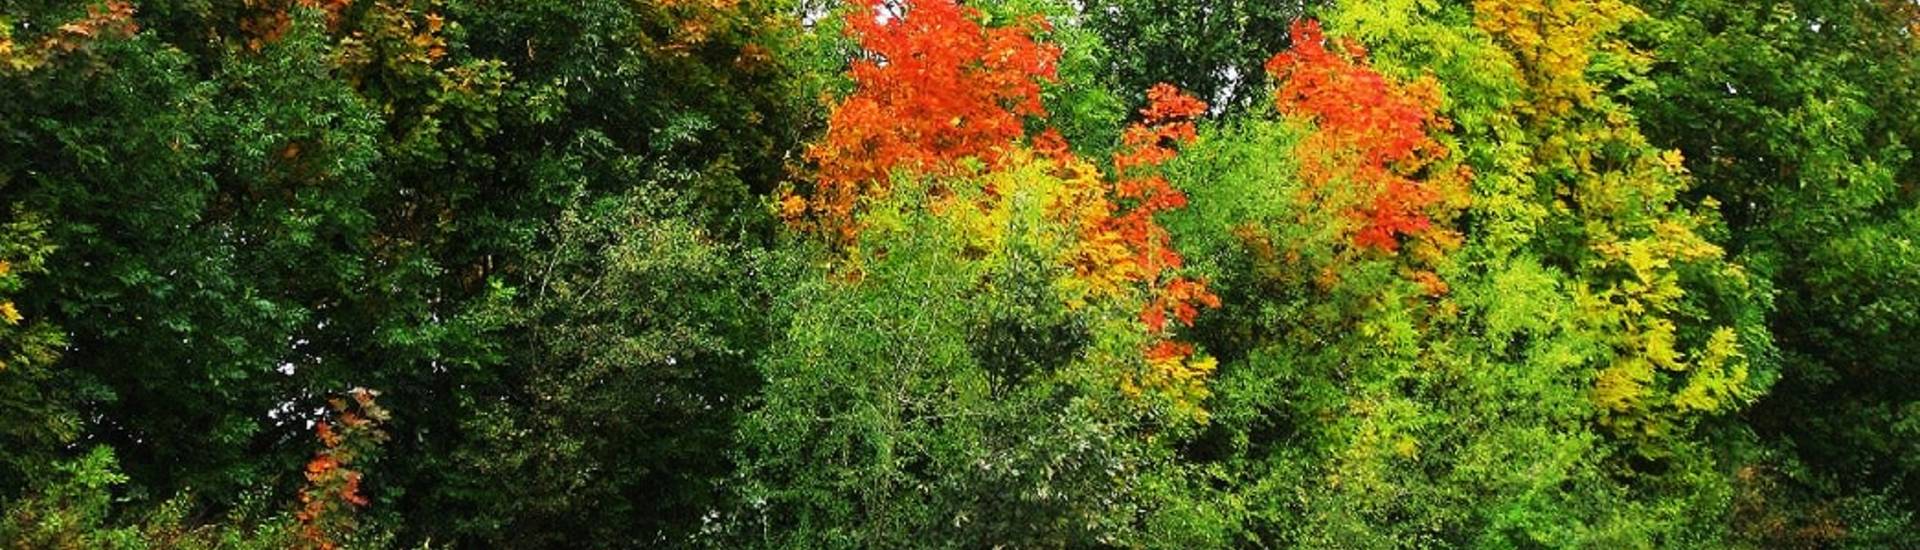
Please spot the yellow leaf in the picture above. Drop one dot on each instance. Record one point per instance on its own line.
(9, 314)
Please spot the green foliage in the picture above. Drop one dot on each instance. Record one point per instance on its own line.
(1491, 274)
(1353, 407)
(946, 395)
(156, 309)
(72, 512)
(257, 204)
(73, 508)
(1799, 116)
(37, 411)
(638, 356)
(1213, 49)
(1363, 405)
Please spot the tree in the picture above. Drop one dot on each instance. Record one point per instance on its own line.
(999, 301)
(1375, 398)
(635, 352)
(934, 86)
(1799, 116)
(886, 273)
(1214, 49)
(262, 203)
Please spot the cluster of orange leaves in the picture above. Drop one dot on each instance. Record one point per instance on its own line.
(114, 18)
(418, 41)
(269, 19)
(399, 37)
(333, 488)
(935, 87)
(1370, 135)
(1168, 121)
(938, 87)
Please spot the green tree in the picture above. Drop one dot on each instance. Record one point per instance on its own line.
(1212, 48)
(260, 203)
(638, 336)
(948, 396)
(1801, 117)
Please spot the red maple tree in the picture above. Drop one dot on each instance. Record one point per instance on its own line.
(935, 86)
(1370, 136)
(1167, 121)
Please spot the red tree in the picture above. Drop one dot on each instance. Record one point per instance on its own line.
(1370, 137)
(935, 86)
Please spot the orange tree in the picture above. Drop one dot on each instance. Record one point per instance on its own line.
(992, 296)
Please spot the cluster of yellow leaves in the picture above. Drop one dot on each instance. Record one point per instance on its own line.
(1634, 398)
(9, 315)
(1072, 195)
(1637, 313)
(1099, 257)
(698, 21)
(1174, 370)
(401, 40)
(1554, 41)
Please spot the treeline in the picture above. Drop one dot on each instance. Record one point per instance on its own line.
(1011, 273)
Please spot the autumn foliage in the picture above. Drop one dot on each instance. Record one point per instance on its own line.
(937, 89)
(107, 20)
(332, 492)
(1143, 191)
(956, 274)
(934, 86)
(266, 21)
(1370, 136)
(1168, 120)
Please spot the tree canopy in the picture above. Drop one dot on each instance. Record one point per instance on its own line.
(930, 273)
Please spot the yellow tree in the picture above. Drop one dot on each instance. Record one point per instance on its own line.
(1615, 218)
